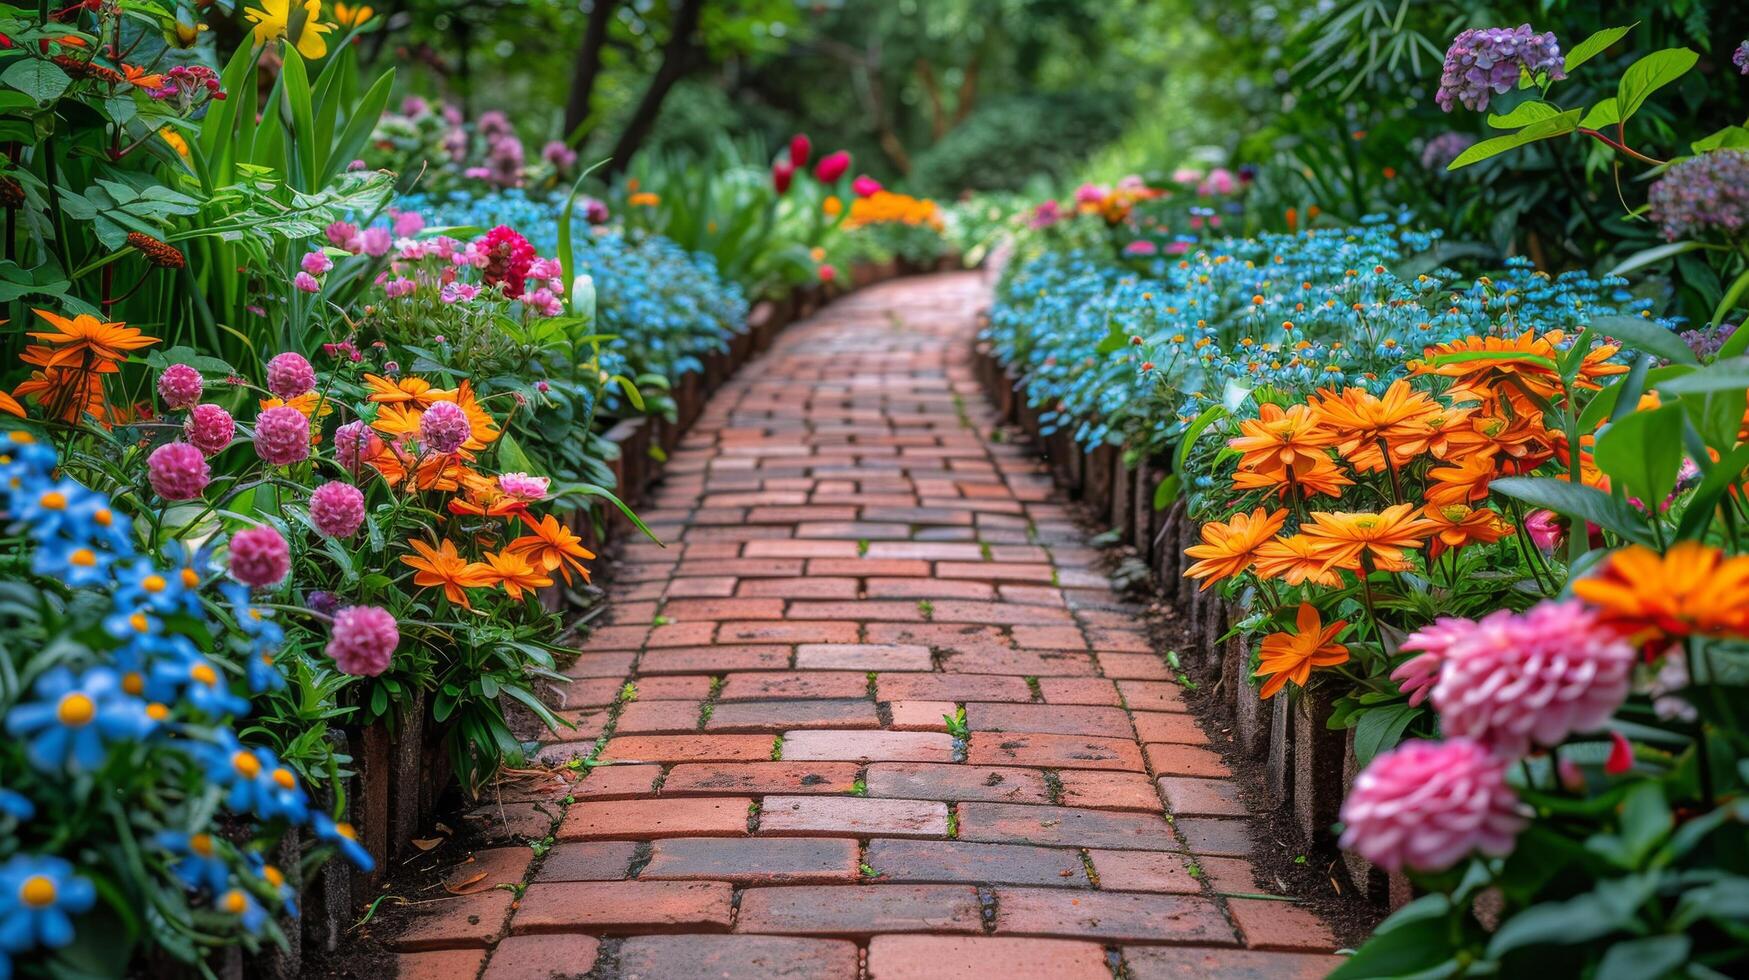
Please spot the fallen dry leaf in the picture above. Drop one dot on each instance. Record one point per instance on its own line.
(462, 887)
(427, 843)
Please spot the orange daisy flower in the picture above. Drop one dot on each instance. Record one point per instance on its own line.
(1531, 359)
(1458, 525)
(1691, 590)
(442, 567)
(515, 574)
(10, 405)
(1229, 548)
(482, 498)
(1281, 439)
(1364, 423)
(64, 393)
(1295, 560)
(139, 78)
(1322, 477)
(1291, 656)
(85, 333)
(1464, 482)
(552, 547)
(1345, 539)
(385, 391)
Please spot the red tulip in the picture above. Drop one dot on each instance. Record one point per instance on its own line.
(832, 166)
(781, 174)
(800, 149)
(865, 186)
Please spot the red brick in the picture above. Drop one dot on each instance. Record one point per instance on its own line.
(980, 957)
(1111, 916)
(596, 665)
(691, 610)
(1064, 826)
(988, 571)
(715, 659)
(1152, 695)
(1166, 759)
(441, 964)
(1214, 835)
(951, 687)
(736, 957)
(587, 861)
(779, 548)
(677, 635)
(1188, 796)
(956, 782)
(1053, 751)
(920, 716)
(967, 861)
(472, 920)
(1078, 690)
(1060, 719)
(775, 716)
(775, 860)
(863, 656)
(624, 906)
(714, 586)
(695, 687)
(650, 819)
(1280, 926)
(1109, 790)
(542, 957)
(863, 610)
(1144, 871)
(933, 589)
(616, 782)
(800, 588)
(759, 778)
(1050, 637)
(868, 746)
(852, 817)
(686, 748)
(864, 567)
(859, 910)
(1159, 726)
(657, 717)
(1190, 963)
(825, 632)
(1034, 663)
(803, 684)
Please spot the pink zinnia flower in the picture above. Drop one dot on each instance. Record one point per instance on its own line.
(337, 509)
(210, 428)
(408, 224)
(317, 263)
(290, 375)
(180, 387)
(178, 471)
(508, 257)
(282, 436)
(376, 241)
(1416, 677)
(363, 640)
(259, 557)
(1426, 805)
(444, 428)
(865, 186)
(355, 444)
(1518, 679)
(342, 234)
(522, 486)
(1141, 246)
(832, 166)
(306, 283)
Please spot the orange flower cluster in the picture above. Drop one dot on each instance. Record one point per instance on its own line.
(524, 565)
(404, 401)
(70, 364)
(1291, 656)
(1654, 600)
(883, 207)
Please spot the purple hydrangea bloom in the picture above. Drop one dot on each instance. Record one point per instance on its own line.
(1741, 58)
(1709, 192)
(1486, 61)
(1441, 150)
(1707, 341)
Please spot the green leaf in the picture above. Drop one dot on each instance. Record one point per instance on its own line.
(1380, 729)
(1594, 45)
(1577, 501)
(1606, 909)
(1639, 959)
(1194, 429)
(1701, 507)
(1605, 113)
(1650, 256)
(1643, 452)
(358, 127)
(43, 81)
(1524, 114)
(1417, 938)
(1728, 301)
(1166, 491)
(1549, 128)
(300, 122)
(1721, 375)
(1646, 335)
(1731, 137)
(1650, 74)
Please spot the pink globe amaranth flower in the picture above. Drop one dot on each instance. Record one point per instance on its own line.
(444, 428)
(800, 150)
(259, 557)
(290, 375)
(363, 640)
(343, 234)
(337, 509)
(180, 387)
(355, 444)
(210, 428)
(865, 186)
(522, 486)
(306, 283)
(316, 263)
(408, 224)
(1416, 677)
(1512, 680)
(178, 471)
(282, 436)
(832, 166)
(1426, 805)
(782, 172)
(376, 241)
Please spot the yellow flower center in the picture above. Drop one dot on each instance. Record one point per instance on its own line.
(104, 517)
(284, 778)
(157, 712)
(133, 682)
(201, 844)
(246, 764)
(154, 583)
(234, 902)
(76, 710)
(53, 500)
(345, 830)
(38, 892)
(204, 674)
(139, 622)
(83, 557)
(274, 876)
(190, 578)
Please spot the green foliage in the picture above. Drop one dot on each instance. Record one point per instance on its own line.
(1007, 142)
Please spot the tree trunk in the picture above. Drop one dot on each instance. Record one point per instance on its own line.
(588, 66)
(679, 57)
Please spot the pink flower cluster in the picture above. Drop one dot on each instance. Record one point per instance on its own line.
(363, 640)
(259, 557)
(282, 436)
(178, 471)
(1427, 805)
(503, 257)
(444, 428)
(337, 509)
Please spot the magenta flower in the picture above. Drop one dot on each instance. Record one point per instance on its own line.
(800, 149)
(1511, 680)
(178, 471)
(832, 166)
(343, 234)
(355, 445)
(282, 436)
(782, 172)
(290, 375)
(316, 263)
(408, 224)
(363, 640)
(180, 386)
(337, 509)
(1426, 805)
(1488, 61)
(259, 557)
(306, 283)
(522, 486)
(444, 428)
(376, 241)
(1416, 677)
(865, 186)
(559, 155)
(210, 428)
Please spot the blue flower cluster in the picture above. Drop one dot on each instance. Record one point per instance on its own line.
(665, 306)
(142, 697)
(1129, 357)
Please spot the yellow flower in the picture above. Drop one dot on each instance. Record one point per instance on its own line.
(175, 140)
(644, 199)
(833, 206)
(347, 15)
(300, 26)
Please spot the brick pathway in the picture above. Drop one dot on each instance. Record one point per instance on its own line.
(851, 558)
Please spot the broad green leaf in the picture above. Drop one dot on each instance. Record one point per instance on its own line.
(1594, 45)
(358, 127)
(1559, 125)
(1721, 375)
(1194, 429)
(1650, 74)
(1577, 501)
(1606, 908)
(1642, 451)
(1647, 336)
(1650, 256)
(1729, 301)
(1701, 507)
(1605, 113)
(1524, 114)
(1638, 959)
(1379, 730)
(43, 81)
(1731, 137)
(1415, 940)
